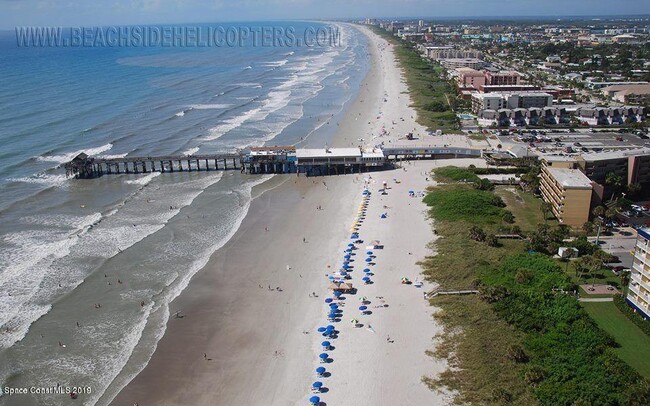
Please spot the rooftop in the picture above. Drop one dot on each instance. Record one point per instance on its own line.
(570, 178)
(328, 153)
(600, 156)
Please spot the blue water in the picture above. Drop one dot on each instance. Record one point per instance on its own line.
(62, 242)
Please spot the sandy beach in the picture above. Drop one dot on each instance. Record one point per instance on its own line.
(248, 331)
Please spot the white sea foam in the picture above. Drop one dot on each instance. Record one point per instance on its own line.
(113, 156)
(180, 113)
(68, 156)
(43, 179)
(247, 67)
(190, 151)
(210, 106)
(143, 181)
(276, 63)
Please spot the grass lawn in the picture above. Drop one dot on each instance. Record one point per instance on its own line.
(524, 206)
(635, 345)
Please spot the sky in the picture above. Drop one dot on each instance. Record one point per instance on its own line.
(76, 13)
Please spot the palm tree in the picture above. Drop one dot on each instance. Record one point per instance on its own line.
(625, 281)
(545, 207)
(598, 211)
(615, 182)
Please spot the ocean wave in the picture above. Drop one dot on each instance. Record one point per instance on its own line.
(43, 179)
(190, 151)
(276, 63)
(143, 181)
(69, 156)
(210, 106)
(247, 67)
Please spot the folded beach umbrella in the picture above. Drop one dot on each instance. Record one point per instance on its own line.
(354, 321)
(314, 400)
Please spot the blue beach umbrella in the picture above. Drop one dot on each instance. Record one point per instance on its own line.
(368, 259)
(330, 327)
(329, 300)
(365, 278)
(346, 266)
(337, 294)
(367, 271)
(348, 250)
(363, 308)
(369, 252)
(334, 306)
(350, 245)
(331, 278)
(321, 329)
(320, 371)
(323, 356)
(317, 385)
(314, 400)
(326, 344)
(347, 256)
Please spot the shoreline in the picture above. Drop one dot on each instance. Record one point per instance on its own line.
(240, 342)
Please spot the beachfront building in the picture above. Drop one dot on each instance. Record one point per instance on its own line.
(568, 191)
(455, 63)
(520, 100)
(638, 294)
(503, 78)
(470, 78)
(325, 161)
(436, 53)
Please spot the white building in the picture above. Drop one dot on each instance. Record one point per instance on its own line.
(638, 294)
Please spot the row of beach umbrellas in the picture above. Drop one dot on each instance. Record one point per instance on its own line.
(334, 311)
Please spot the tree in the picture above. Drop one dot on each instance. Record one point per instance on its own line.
(476, 233)
(633, 189)
(491, 240)
(615, 182)
(625, 281)
(545, 207)
(588, 227)
(508, 217)
(598, 211)
(611, 213)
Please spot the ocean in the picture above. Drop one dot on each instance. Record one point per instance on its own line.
(89, 267)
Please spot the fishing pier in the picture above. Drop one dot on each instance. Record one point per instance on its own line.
(263, 160)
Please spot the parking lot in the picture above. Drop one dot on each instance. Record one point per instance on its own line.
(563, 142)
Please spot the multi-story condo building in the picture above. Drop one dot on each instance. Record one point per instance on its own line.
(638, 293)
(503, 78)
(520, 100)
(569, 193)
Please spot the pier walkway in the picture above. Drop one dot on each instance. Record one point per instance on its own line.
(261, 160)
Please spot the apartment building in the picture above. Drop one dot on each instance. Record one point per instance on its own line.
(638, 293)
(569, 193)
(470, 78)
(521, 100)
(455, 63)
(632, 165)
(450, 52)
(510, 78)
